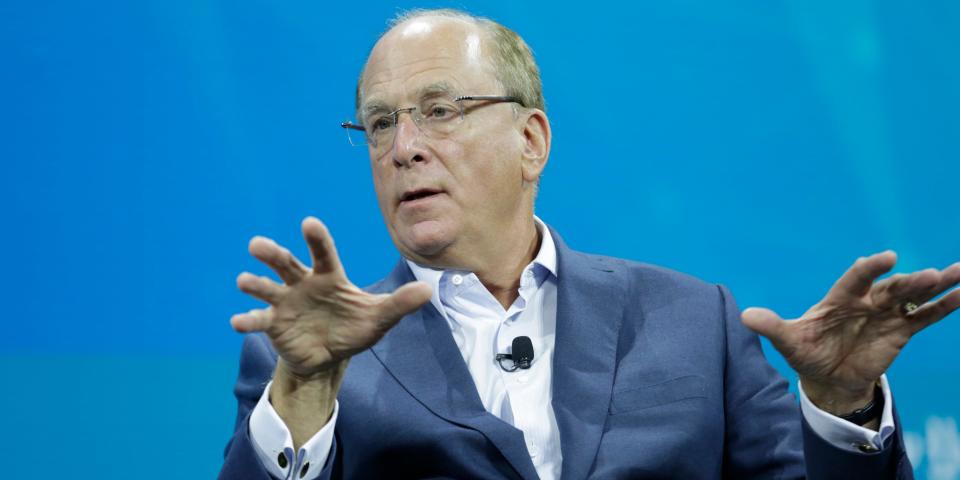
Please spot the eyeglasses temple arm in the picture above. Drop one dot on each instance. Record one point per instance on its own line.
(352, 126)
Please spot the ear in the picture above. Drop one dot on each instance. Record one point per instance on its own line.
(536, 148)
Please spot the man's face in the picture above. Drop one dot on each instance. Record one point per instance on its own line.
(444, 199)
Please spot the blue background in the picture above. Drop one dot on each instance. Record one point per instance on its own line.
(760, 144)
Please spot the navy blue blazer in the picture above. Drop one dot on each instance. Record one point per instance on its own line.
(654, 376)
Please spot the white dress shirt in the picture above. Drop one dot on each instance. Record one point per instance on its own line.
(482, 328)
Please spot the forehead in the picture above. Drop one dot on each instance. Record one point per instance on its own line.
(422, 53)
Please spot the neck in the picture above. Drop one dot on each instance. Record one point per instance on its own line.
(500, 263)
(502, 278)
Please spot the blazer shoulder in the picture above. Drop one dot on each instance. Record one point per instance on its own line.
(652, 277)
(377, 287)
(400, 275)
(257, 357)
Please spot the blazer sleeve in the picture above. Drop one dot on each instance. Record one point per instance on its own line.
(257, 363)
(766, 436)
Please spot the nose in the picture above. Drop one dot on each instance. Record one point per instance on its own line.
(408, 146)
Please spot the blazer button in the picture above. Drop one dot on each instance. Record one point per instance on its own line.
(282, 460)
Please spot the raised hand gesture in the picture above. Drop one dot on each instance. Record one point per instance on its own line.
(842, 345)
(316, 321)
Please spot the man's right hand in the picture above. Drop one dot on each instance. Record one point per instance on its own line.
(317, 320)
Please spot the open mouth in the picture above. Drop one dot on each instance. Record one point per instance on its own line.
(418, 194)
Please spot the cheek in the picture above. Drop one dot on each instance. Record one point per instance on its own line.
(493, 171)
(483, 161)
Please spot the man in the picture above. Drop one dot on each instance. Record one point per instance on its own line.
(637, 371)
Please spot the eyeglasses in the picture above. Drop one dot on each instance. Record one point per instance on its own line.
(435, 117)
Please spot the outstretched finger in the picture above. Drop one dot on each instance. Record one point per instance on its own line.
(858, 279)
(950, 278)
(404, 300)
(277, 258)
(917, 287)
(933, 312)
(324, 252)
(255, 320)
(259, 287)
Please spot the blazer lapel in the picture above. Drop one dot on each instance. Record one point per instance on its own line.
(422, 356)
(590, 302)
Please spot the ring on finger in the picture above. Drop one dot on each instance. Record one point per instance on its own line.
(909, 307)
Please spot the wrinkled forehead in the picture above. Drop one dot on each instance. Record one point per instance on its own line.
(424, 55)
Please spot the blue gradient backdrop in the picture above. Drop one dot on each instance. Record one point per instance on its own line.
(760, 144)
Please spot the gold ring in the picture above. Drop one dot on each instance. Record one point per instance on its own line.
(910, 307)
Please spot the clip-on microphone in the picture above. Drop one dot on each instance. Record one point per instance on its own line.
(522, 354)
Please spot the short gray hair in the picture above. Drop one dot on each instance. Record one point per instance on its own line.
(513, 62)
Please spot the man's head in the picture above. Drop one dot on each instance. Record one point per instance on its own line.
(512, 59)
(454, 196)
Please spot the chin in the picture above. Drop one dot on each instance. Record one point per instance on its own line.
(425, 239)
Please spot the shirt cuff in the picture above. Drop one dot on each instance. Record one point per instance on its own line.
(274, 444)
(847, 435)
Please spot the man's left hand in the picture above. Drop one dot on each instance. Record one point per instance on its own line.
(842, 345)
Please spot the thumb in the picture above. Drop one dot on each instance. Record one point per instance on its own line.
(764, 322)
(404, 300)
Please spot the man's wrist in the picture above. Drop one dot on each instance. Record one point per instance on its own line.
(837, 401)
(305, 404)
(868, 413)
(291, 388)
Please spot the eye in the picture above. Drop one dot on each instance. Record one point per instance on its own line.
(381, 123)
(440, 111)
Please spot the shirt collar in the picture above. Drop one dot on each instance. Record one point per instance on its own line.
(546, 258)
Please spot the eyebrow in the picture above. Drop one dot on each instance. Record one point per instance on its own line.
(432, 90)
(371, 109)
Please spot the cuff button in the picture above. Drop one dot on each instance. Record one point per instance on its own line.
(866, 447)
(303, 471)
(282, 460)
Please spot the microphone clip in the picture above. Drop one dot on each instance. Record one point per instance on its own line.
(522, 355)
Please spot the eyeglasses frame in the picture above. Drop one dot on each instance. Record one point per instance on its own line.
(349, 125)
